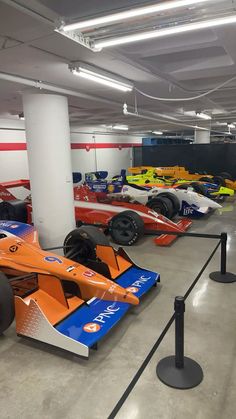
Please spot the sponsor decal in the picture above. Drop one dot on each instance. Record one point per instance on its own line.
(52, 259)
(89, 274)
(9, 225)
(70, 268)
(5, 194)
(107, 313)
(91, 327)
(139, 282)
(187, 211)
(111, 188)
(132, 289)
(13, 248)
(112, 288)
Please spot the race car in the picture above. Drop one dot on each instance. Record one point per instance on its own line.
(168, 201)
(97, 181)
(126, 222)
(180, 172)
(60, 301)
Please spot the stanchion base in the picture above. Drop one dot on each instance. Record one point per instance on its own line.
(183, 378)
(226, 278)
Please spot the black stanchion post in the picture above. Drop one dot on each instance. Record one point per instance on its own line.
(179, 371)
(222, 275)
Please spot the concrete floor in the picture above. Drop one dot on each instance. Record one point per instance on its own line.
(41, 382)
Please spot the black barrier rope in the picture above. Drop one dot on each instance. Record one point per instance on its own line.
(148, 358)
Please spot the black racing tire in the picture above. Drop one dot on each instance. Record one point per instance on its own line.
(206, 179)
(80, 244)
(226, 175)
(14, 211)
(162, 205)
(126, 228)
(197, 187)
(219, 180)
(175, 201)
(7, 310)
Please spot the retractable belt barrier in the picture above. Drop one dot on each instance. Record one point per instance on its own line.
(178, 371)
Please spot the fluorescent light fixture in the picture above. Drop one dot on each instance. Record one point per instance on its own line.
(203, 115)
(223, 124)
(129, 14)
(231, 126)
(157, 132)
(120, 127)
(173, 30)
(102, 79)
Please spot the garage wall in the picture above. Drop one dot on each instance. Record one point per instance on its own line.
(93, 151)
(90, 150)
(13, 156)
(209, 158)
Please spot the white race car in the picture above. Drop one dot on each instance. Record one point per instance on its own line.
(168, 201)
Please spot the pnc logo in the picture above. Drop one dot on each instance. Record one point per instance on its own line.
(132, 289)
(91, 327)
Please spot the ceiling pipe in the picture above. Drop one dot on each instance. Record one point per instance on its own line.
(40, 85)
(28, 11)
(165, 121)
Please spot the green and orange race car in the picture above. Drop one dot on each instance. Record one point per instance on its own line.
(205, 185)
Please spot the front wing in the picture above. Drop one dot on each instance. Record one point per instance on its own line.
(88, 324)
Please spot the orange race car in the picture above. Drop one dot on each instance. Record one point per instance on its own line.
(69, 302)
(180, 172)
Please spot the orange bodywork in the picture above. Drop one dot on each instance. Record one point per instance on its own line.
(25, 257)
(177, 172)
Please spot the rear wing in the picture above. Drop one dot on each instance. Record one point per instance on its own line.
(16, 183)
(92, 176)
(6, 195)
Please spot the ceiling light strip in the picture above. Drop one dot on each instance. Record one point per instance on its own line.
(102, 79)
(164, 32)
(129, 14)
(203, 115)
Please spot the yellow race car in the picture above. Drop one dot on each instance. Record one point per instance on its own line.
(150, 176)
(179, 172)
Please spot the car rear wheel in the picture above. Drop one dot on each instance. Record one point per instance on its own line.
(162, 205)
(219, 180)
(206, 179)
(197, 187)
(174, 199)
(80, 244)
(226, 175)
(7, 312)
(126, 228)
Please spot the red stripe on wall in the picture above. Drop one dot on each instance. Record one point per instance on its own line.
(12, 146)
(74, 146)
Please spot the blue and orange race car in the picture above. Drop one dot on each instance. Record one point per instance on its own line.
(69, 302)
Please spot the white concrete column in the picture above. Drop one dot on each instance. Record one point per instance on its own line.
(49, 156)
(202, 137)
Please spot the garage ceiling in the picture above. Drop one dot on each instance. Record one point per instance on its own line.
(178, 66)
